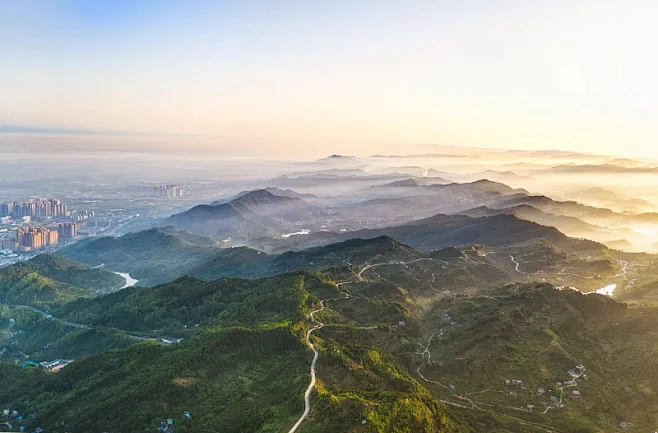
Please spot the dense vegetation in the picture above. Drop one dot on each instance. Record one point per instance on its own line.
(47, 280)
(26, 334)
(188, 303)
(394, 338)
(151, 256)
(535, 333)
(244, 369)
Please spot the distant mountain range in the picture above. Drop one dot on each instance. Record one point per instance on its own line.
(254, 213)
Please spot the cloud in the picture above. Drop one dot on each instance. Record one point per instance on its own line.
(38, 130)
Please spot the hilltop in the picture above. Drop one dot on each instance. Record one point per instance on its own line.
(254, 213)
(152, 256)
(442, 231)
(47, 280)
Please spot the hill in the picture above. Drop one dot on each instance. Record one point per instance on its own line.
(538, 336)
(274, 191)
(245, 262)
(152, 256)
(244, 369)
(46, 280)
(255, 213)
(442, 231)
(570, 226)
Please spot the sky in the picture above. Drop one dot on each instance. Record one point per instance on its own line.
(301, 77)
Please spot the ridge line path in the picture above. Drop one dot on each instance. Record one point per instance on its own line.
(401, 263)
(77, 325)
(319, 325)
(545, 273)
(316, 355)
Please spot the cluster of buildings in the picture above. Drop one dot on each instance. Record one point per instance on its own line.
(81, 215)
(167, 425)
(52, 366)
(56, 365)
(168, 191)
(31, 238)
(13, 417)
(67, 230)
(38, 208)
(34, 238)
(556, 401)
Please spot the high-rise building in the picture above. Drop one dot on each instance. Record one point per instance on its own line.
(34, 238)
(169, 191)
(40, 207)
(67, 230)
(7, 244)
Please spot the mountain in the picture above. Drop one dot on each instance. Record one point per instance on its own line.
(245, 368)
(414, 182)
(590, 214)
(255, 213)
(442, 231)
(601, 169)
(46, 280)
(27, 333)
(152, 256)
(274, 191)
(332, 158)
(571, 226)
(225, 302)
(331, 182)
(247, 263)
(605, 198)
(539, 336)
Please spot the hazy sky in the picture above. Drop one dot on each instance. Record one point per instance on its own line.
(345, 76)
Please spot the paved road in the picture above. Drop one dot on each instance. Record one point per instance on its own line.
(545, 273)
(316, 354)
(474, 404)
(77, 325)
(360, 274)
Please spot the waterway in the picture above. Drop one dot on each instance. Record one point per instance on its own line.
(130, 281)
(301, 232)
(608, 290)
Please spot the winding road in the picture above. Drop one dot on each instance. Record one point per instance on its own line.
(77, 325)
(474, 404)
(545, 273)
(316, 354)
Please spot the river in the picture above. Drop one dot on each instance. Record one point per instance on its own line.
(302, 232)
(130, 281)
(608, 290)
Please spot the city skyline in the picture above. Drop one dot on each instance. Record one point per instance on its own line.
(296, 79)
